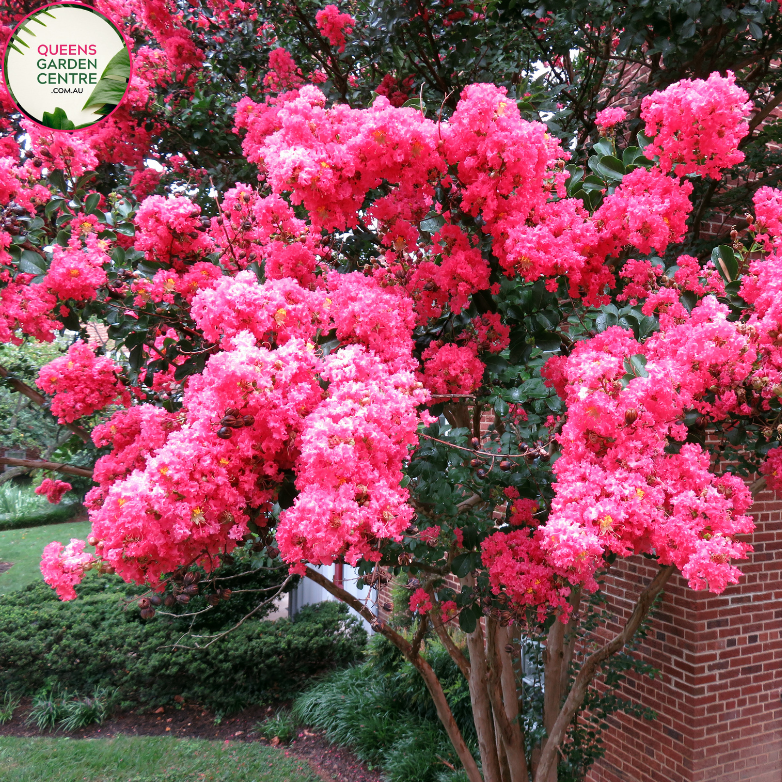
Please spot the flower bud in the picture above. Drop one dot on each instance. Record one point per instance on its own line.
(224, 433)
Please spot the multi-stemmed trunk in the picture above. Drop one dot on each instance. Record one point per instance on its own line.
(495, 694)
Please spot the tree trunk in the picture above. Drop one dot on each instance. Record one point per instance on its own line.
(590, 668)
(481, 706)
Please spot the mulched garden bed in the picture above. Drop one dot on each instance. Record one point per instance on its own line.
(332, 764)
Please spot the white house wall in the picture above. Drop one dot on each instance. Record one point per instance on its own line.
(308, 592)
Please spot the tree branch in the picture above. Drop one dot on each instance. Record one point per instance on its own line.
(590, 668)
(423, 667)
(66, 469)
(22, 388)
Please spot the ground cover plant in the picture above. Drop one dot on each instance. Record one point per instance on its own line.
(366, 229)
(146, 759)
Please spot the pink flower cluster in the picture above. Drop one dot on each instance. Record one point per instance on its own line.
(53, 489)
(619, 489)
(283, 73)
(609, 118)
(420, 602)
(64, 567)
(696, 125)
(334, 26)
(452, 369)
(168, 228)
(82, 383)
(76, 271)
(352, 450)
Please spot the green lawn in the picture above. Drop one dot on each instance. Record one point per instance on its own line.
(143, 759)
(23, 547)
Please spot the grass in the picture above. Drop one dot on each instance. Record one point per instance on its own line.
(23, 548)
(145, 759)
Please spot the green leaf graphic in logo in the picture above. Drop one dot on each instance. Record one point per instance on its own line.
(113, 82)
(58, 120)
(17, 39)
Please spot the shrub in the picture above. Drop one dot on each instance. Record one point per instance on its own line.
(98, 641)
(47, 709)
(7, 707)
(91, 710)
(383, 710)
(281, 726)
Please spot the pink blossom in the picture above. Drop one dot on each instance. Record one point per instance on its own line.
(63, 567)
(334, 26)
(53, 490)
(696, 125)
(610, 117)
(420, 602)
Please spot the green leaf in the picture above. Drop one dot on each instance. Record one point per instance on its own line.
(724, 259)
(643, 141)
(113, 82)
(609, 167)
(467, 620)
(32, 263)
(53, 206)
(462, 565)
(432, 223)
(603, 147)
(57, 178)
(58, 120)
(93, 199)
(636, 365)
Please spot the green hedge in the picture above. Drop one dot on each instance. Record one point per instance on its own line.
(56, 514)
(98, 641)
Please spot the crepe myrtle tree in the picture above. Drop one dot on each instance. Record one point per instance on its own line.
(314, 300)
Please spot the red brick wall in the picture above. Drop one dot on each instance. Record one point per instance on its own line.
(719, 701)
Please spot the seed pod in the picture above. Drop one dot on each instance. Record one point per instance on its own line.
(183, 599)
(387, 606)
(272, 552)
(193, 234)
(213, 600)
(475, 443)
(481, 473)
(37, 162)
(506, 465)
(191, 590)
(249, 420)
(144, 603)
(232, 411)
(156, 600)
(226, 594)
(190, 578)
(169, 601)
(237, 423)
(228, 420)
(631, 415)
(475, 463)
(147, 613)
(224, 433)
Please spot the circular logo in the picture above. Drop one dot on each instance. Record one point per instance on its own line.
(66, 66)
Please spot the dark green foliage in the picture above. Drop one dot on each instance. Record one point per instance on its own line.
(98, 641)
(383, 710)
